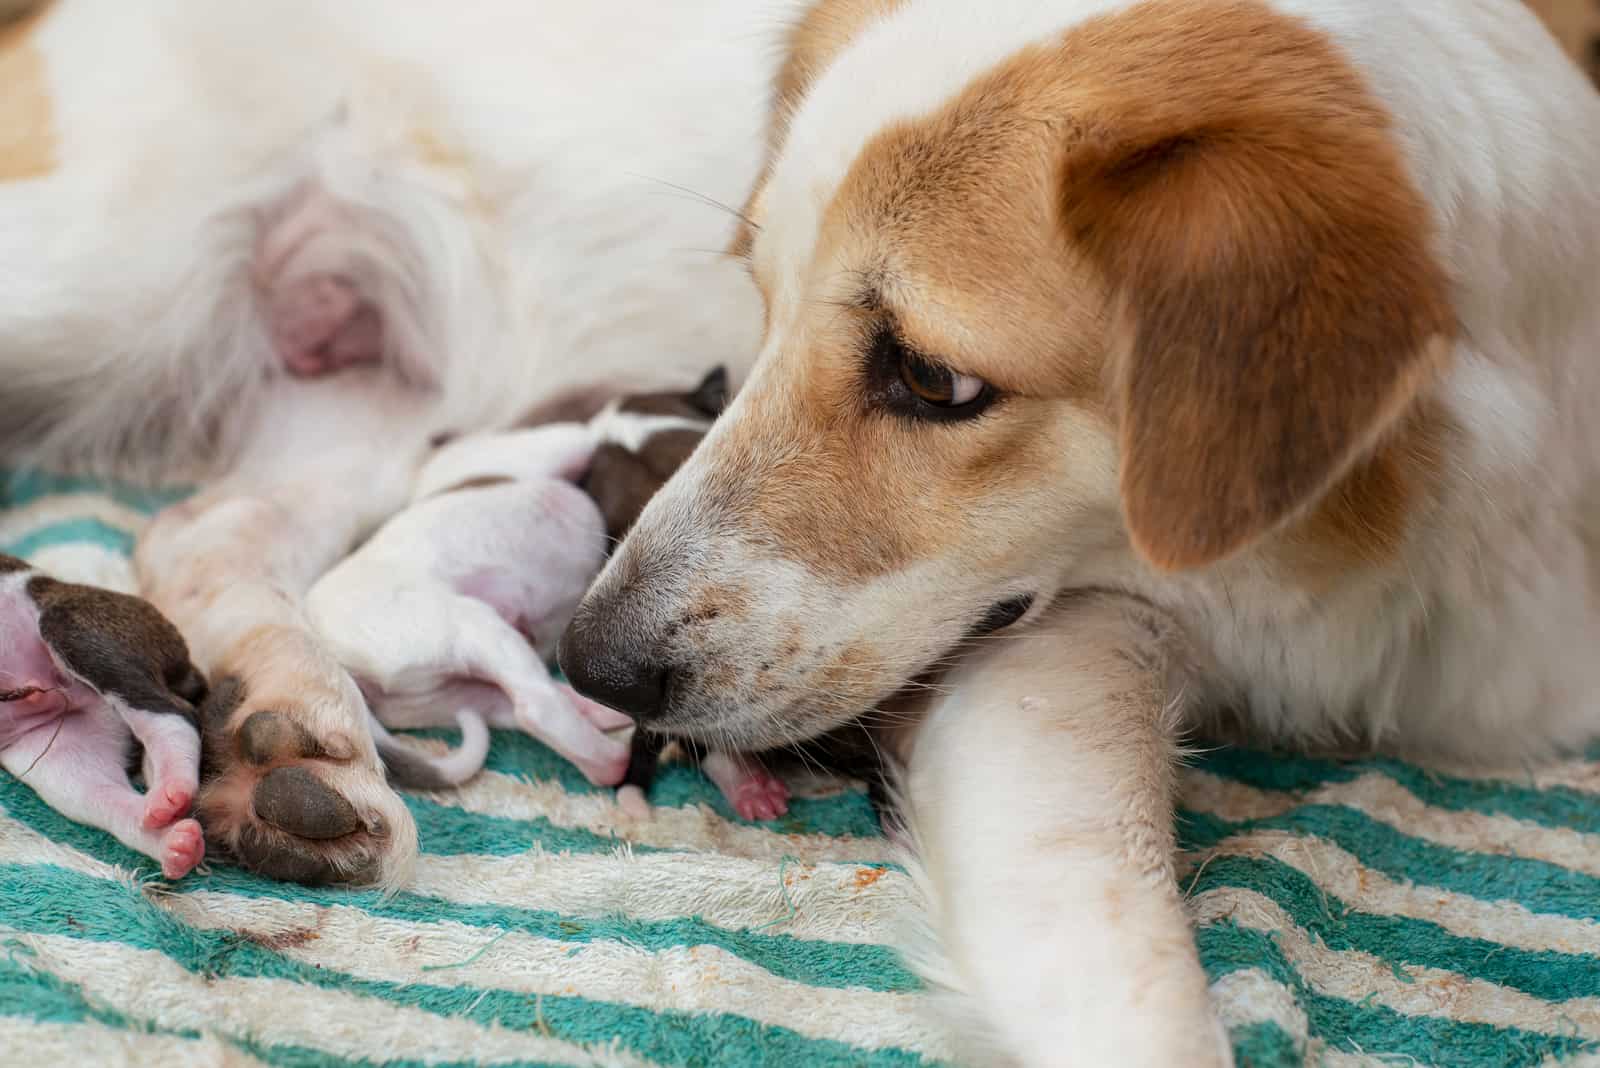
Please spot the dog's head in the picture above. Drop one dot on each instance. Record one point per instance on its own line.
(1045, 302)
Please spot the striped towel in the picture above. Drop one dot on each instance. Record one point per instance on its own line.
(1349, 913)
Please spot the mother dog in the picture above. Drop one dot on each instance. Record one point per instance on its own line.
(1253, 347)
(1235, 354)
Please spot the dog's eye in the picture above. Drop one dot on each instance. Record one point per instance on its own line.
(920, 388)
(937, 385)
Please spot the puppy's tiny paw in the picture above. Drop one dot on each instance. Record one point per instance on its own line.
(633, 803)
(182, 847)
(762, 797)
(166, 803)
(608, 769)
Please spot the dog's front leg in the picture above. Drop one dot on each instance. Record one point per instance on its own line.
(293, 786)
(1041, 789)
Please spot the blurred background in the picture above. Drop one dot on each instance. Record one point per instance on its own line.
(1576, 24)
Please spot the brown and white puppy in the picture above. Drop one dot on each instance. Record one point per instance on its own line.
(85, 674)
(1255, 342)
(648, 437)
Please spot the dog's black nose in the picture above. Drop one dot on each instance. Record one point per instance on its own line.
(606, 670)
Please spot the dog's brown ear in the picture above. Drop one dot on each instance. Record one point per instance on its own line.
(1276, 303)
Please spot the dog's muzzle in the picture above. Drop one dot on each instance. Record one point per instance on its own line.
(608, 656)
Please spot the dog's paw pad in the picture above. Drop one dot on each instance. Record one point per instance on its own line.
(293, 802)
(268, 736)
(292, 799)
(182, 847)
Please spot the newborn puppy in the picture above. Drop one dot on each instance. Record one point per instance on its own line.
(84, 673)
(451, 610)
(646, 439)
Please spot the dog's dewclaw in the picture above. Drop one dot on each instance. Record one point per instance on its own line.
(294, 800)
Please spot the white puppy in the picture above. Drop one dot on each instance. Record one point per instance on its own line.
(450, 612)
(452, 609)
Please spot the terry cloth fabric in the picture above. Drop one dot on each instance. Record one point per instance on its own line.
(1349, 913)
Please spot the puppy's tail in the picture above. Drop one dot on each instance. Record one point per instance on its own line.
(410, 767)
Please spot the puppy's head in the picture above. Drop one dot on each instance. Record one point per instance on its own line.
(1047, 304)
(118, 644)
(644, 440)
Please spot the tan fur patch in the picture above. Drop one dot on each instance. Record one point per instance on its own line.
(27, 116)
(1188, 221)
(1363, 520)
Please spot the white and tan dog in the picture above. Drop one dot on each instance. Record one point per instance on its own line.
(1256, 345)
(1253, 342)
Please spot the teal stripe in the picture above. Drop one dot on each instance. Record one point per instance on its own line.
(46, 998)
(1265, 1045)
(72, 532)
(45, 899)
(1534, 884)
(445, 830)
(838, 965)
(1552, 807)
(21, 488)
(1226, 947)
(1402, 939)
(677, 786)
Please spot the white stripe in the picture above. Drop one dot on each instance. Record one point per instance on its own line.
(92, 564)
(1380, 797)
(16, 523)
(681, 978)
(1340, 874)
(90, 1042)
(1575, 773)
(148, 985)
(1355, 976)
(834, 902)
(693, 827)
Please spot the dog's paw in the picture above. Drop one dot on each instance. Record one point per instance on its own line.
(761, 797)
(182, 847)
(293, 788)
(754, 791)
(166, 803)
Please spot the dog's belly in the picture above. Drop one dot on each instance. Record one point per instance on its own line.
(510, 229)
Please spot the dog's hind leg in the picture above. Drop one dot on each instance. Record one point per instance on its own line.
(292, 783)
(1041, 800)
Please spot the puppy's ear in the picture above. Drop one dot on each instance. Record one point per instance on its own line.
(1276, 304)
(621, 484)
(711, 395)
